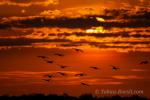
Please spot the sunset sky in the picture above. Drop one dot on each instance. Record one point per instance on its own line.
(38, 7)
(86, 33)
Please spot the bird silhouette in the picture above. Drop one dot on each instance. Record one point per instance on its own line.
(81, 74)
(78, 50)
(58, 54)
(49, 61)
(43, 57)
(62, 66)
(93, 67)
(114, 67)
(84, 84)
(48, 75)
(144, 62)
(63, 74)
(47, 80)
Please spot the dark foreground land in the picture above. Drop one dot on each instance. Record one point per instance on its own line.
(67, 97)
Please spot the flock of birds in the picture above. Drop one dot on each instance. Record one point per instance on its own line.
(48, 77)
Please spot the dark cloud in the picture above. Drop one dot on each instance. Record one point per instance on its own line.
(26, 41)
(123, 34)
(139, 19)
(71, 43)
(140, 13)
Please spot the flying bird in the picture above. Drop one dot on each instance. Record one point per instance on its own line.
(84, 84)
(114, 67)
(48, 75)
(144, 62)
(50, 62)
(62, 66)
(47, 80)
(43, 57)
(93, 67)
(58, 54)
(78, 50)
(63, 74)
(81, 74)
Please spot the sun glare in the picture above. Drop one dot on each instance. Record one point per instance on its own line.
(100, 19)
(95, 30)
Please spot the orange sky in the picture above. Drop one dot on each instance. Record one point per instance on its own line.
(35, 7)
(30, 28)
(23, 75)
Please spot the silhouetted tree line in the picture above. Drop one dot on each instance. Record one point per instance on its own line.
(67, 97)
